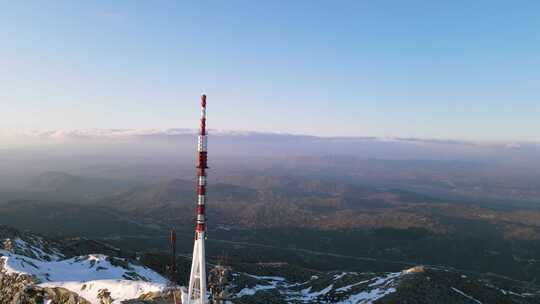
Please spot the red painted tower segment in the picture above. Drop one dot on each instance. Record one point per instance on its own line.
(202, 165)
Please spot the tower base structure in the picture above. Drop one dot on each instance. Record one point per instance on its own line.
(196, 293)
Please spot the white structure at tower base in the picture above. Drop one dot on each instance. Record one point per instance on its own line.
(197, 278)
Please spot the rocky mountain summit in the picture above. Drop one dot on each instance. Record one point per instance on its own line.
(35, 270)
(415, 285)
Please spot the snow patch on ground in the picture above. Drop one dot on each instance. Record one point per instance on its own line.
(306, 294)
(348, 287)
(383, 288)
(366, 297)
(272, 282)
(253, 290)
(385, 279)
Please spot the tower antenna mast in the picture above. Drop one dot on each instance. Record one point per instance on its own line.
(197, 278)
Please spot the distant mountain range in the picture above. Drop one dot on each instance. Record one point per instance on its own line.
(77, 187)
(255, 201)
(291, 211)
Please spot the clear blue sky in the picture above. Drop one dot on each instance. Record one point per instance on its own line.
(436, 69)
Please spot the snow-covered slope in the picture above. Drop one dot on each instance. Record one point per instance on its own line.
(30, 245)
(86, 276)
(415, 285)
(340, 288)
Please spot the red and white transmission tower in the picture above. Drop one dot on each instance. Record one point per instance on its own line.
(197, 279)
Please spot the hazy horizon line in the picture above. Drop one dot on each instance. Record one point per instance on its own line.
(127, 133)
